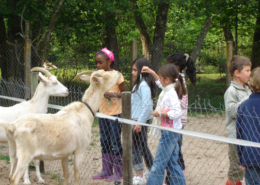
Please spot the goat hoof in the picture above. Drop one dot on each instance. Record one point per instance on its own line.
(41, 181)
(26, 182)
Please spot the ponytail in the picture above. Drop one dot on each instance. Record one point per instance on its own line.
(191, 70)
(184, 61)
(180, 87)
(171, 71)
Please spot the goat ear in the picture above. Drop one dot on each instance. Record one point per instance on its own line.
(96, 80)
(85, 78)
(41, 77)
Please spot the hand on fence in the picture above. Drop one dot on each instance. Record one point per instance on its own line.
(108, 95)
(137, 128)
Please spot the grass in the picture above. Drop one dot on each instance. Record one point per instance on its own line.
(54, 176)
(211, 89)
(92, 144)
(71, 161)
(1, 147)
(95, 124)
(5, 157)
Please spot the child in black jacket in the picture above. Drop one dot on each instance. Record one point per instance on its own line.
(248, 128)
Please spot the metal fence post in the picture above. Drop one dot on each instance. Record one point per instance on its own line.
(229, 51)
(133, 57)
(127, 139)
(27, 59)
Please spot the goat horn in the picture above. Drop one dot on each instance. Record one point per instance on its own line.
(82, 73)
(41, 69)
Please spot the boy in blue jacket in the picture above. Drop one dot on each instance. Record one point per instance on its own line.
(248, 128)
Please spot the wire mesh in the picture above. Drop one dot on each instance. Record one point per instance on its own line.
(205, 161)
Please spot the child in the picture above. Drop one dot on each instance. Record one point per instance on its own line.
(240, 69)
(181, 61)
(110, 135)
(143, 91)
(248, 128)
(168, 113)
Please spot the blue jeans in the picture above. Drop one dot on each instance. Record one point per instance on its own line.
(180, 162)
(110, 136)
(141, 149)
(252, 175)
(166, 157)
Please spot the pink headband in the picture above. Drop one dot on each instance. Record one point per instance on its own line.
(108, 53)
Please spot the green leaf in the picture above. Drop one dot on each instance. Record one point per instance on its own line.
(109, 101)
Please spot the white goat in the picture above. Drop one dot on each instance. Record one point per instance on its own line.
(57, 136)
(48, 86)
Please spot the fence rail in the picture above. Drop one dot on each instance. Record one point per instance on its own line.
(204, 149)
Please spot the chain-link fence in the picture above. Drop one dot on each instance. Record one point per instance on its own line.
(205, 161)
(64, 37)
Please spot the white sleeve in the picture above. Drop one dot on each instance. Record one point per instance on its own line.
(174, 106)
(158, 83)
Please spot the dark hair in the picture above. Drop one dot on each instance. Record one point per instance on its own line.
(140, 62)
(112, 65)
(237, 63)
(170, 71)
(183, 60)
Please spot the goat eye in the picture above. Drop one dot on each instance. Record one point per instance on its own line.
(55, 83)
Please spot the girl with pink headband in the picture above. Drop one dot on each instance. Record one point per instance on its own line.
(110, 134)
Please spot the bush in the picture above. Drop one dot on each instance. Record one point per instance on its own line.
(218, 61)
(210, 69)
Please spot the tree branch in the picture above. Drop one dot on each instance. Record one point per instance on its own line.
(50, 28)
(145, 38)
(198, 46)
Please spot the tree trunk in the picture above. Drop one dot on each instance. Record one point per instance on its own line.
(3, 38)
(159, 33)
(228, 33)
(110, 38)
(255, 59)
(198, 46)
(3, 56)
(50, 29)
(145, 38)
(15, 48)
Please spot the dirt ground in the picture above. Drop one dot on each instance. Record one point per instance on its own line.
(206, 161)
(4, 172)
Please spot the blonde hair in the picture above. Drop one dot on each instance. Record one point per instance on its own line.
(255, 80)
(237, 63)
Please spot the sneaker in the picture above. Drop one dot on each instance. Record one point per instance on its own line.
(146, 174)
(139, 180)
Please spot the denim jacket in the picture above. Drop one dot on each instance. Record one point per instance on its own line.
(248, 128)
(142, 103)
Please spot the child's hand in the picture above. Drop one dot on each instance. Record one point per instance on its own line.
(108, 95)
(146, 69)
(137, 128)
(165, 110)
(155, 113)
(242, 168)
